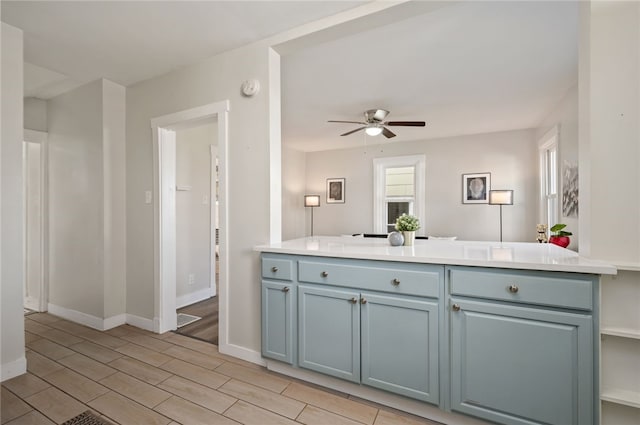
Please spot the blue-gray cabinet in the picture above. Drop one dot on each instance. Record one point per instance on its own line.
(329, 331)
(399, 345)
(279, 294)
(385, 341)
(510, 346)
(521, 361)
(278, 316)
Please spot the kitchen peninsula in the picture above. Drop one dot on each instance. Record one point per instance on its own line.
(506, 332)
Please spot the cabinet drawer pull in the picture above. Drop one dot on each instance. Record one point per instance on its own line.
(324, 274)
(513, 289)
(456, 307)
(363, 300)
(285, 289)
(395, 282)
(274, 269)
(353, 300)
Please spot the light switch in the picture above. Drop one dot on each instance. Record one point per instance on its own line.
(147, 197)
(205, 199)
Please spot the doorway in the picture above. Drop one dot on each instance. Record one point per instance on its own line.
(166, 191)
(34, 154)
(197, 225)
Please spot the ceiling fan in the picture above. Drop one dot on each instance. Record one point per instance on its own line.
(374, 123)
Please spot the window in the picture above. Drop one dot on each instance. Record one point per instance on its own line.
(548, 147)
(398, 189)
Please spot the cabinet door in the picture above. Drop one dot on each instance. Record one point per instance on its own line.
(518, 365)
(277, 320)
(400, 345)
(329, 331)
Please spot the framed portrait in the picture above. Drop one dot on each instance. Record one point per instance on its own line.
(475, 188)
(335, 191)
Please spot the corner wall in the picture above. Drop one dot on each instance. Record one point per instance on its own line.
(87, 252)
(12, 359)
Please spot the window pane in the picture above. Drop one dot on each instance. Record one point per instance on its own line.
(395, 210)
(399, 181)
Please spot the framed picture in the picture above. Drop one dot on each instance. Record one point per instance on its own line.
(475, 188)
(335, 191)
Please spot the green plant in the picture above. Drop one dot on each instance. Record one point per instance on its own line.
(557, 230)
(407, 223)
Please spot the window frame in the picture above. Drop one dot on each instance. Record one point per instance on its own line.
(379, 180)
(549, 177)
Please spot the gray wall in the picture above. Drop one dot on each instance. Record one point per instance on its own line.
(192, 213)
(510, 157)
(12, 358)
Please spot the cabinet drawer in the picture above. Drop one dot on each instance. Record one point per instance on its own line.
(553, 289)
(277, 268)
(408, 279)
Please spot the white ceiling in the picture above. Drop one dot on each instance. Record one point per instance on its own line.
(70, 43)
(465, 68)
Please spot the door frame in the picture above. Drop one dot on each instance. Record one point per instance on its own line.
(165, 317)
(40, 138)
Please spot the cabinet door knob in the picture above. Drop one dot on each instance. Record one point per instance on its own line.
(363, 300)
(324, 274)
(395, 282)
(513, 289)
(353, 300)
(285, 289)
(274, 269)
(456, 307)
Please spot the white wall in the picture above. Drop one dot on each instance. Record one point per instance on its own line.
(213, 80)
(296, 220)
(510, 157)
(114, 199)
(611, 114)
(12, 358)
(33, 223)
(193, 168)
(76, 200)
(87, 206)
(565, 115)
(35, 114)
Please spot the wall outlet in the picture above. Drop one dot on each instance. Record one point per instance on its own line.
(192, 279)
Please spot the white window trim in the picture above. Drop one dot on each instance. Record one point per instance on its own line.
(549, 141)
(379, 166)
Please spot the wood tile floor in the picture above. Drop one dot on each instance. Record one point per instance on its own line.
(134, 377)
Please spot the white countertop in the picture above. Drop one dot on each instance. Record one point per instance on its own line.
(511, 255)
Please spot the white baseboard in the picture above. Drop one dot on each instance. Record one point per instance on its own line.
(32, 303)
(141, 322)
(405, 404)
(87, 319)
(13, 369)
(242, 353)
(193, 297)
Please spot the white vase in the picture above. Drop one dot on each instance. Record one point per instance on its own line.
(409, 236)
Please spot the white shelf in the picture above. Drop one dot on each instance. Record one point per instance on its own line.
(624, 397)
(634, 267)
(621, 332)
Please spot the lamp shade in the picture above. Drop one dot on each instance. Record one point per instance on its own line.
(373, 130)
(311, 200)
(501, 197)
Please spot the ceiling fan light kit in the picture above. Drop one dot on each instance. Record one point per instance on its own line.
(375, 125)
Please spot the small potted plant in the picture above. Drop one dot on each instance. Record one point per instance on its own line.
(408, 224)
(560, 237)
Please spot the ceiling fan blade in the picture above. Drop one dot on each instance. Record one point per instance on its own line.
(387, 133)
(350, 122)
(353, 131)
(406, 123)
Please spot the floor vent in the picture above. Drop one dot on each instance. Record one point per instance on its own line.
(185, 319)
